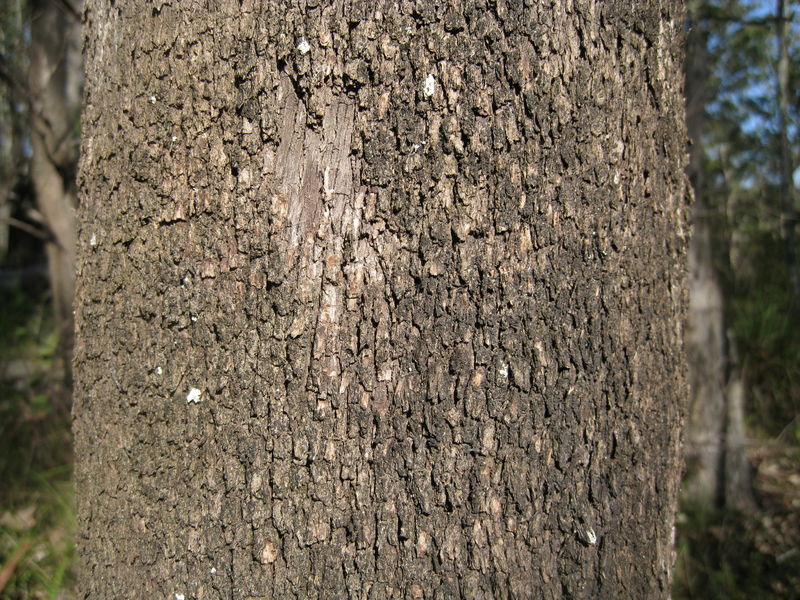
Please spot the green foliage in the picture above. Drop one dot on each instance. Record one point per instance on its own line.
(36, 515)
(743, 126)
(765, 318)
(718, 559)
(13, 62)
(37, 527)
(722, 554)
(742, 191)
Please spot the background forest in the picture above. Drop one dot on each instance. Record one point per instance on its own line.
(739, 525)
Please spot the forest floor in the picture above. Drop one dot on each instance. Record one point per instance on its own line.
(37, 523)
(728, 555)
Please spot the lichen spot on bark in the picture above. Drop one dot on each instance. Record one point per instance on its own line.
(430, 85)
(194, 396)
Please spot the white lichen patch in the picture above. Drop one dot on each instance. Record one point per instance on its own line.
(487, 438)
(430, 85)
(591, 536)
(193, 396)
(297, 327)
(303, 46)
(504, 370)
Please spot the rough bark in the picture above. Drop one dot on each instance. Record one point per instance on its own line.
(380, 301)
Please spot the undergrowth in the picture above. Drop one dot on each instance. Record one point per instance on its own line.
(728, 555)
(37, 522)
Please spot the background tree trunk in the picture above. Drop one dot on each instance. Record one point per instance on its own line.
(380, 301)
(788, 205)
(718, 472)
(706, 340)
(54, 86)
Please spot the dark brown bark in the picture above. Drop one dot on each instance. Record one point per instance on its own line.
(380, 301)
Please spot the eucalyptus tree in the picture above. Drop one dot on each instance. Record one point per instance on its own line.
(380, 300)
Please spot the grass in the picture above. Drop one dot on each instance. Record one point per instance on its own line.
(37, 522)
(726, 555)
(37, 526)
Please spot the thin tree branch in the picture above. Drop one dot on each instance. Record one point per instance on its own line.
(27, 228)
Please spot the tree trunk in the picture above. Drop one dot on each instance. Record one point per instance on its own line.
(788, 206)
(718, 471)
(706, 348)
(380, 301)
(738, 471)
(705, 340)
(11, 129)
(55, 104)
